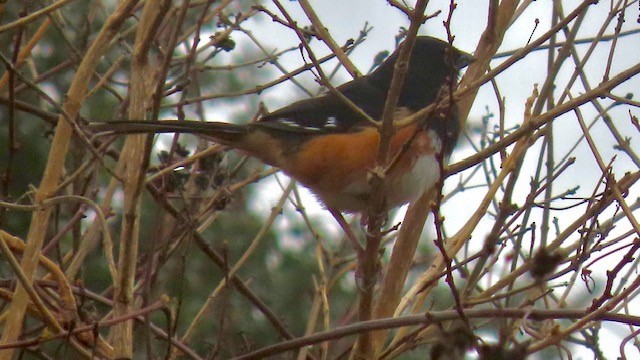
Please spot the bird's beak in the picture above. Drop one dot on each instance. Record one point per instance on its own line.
(464, 60)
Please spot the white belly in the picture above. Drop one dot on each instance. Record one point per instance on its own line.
(412, 185)
(406, 188)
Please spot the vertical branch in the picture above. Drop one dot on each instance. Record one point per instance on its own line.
(365, 347)
(5, 178)
(550, 163)
(135, 157)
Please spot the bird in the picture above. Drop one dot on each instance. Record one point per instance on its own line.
(330, 148)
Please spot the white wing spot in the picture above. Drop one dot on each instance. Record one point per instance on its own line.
(332, 122)
(288, 122)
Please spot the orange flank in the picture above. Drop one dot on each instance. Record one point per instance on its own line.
(335, 161)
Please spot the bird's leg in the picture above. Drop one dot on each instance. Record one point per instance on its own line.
(348, 231)
(364, 221)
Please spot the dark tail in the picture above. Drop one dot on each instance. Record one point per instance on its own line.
(224, 133)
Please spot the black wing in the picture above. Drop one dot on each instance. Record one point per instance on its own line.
(328, 113)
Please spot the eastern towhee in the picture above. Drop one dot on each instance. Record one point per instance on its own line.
(327, 146)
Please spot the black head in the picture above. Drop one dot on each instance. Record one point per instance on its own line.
(433, 63)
